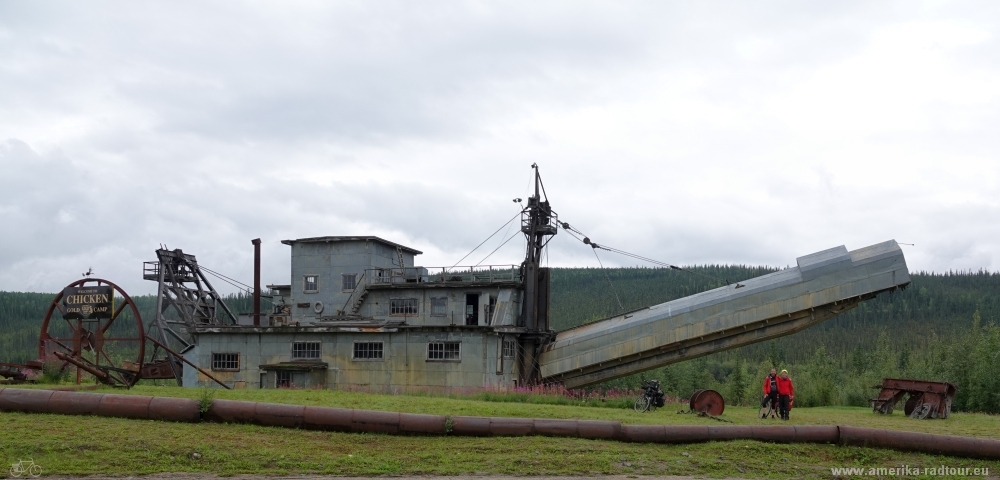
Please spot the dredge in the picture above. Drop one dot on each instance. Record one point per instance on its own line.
(360, 314)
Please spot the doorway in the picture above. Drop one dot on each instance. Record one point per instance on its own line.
(472, 309)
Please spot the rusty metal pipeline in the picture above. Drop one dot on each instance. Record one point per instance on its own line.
(101, 404)
(351, 420)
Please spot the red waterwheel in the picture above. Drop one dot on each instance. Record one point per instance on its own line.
(109, 349)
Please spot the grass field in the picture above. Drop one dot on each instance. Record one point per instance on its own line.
(95, 445)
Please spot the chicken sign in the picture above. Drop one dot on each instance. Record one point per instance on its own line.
(88, 303)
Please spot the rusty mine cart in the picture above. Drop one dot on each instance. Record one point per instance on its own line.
(926, 399)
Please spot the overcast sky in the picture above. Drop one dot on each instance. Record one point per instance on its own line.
(690, 132)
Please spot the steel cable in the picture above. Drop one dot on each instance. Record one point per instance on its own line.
(586, 240)
(487, 239)
(620, 306)
(242, 287)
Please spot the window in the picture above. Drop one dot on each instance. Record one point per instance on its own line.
(350, 281)
(367, 351)
(403, 306)
(311, 284)
(444, 351)
(305, 350)
(439, 307)
(283, 379)
(509, 348)
(225, 362)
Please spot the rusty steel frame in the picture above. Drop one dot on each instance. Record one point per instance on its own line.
(113, 369)
(14, 372)
(926, 399)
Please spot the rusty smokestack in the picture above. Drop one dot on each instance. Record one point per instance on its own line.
(256, 281)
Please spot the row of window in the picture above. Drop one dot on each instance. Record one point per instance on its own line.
(451, 351)
(348, 282)
(397, 306)
(436, 351)
(444, 351)
(411, 306)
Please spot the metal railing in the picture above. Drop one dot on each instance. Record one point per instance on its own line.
(150, 270)
(549, 223)
(458, 274)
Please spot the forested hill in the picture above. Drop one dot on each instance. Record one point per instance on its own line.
(20, 321)
(21, 317)
(934, 306)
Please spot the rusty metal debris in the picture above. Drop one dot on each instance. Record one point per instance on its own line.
(708, 402)
(705, 415)
(17, 372)
(926, 399)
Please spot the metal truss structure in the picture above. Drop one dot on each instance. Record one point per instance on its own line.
(182, 287)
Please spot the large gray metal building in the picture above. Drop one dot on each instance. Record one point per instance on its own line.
(360, 314)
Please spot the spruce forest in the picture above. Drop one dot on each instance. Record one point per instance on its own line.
(943, 327)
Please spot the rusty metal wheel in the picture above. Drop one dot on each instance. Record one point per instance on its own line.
(921, 411)
(693, 397)
(708, 401)
(109, 349)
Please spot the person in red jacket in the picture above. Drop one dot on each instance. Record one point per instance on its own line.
(770, 390)
(786, 393)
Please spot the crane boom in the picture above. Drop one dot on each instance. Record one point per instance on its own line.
(821, 286)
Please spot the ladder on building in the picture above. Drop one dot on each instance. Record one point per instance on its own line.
(361, 299)
(399, 255)
(356, 306)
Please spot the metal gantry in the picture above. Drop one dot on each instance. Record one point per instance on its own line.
(539, 225)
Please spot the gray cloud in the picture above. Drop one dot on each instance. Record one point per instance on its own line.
(689, 132)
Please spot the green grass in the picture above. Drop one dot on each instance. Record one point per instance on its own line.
(95, 445)
(968, 424)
